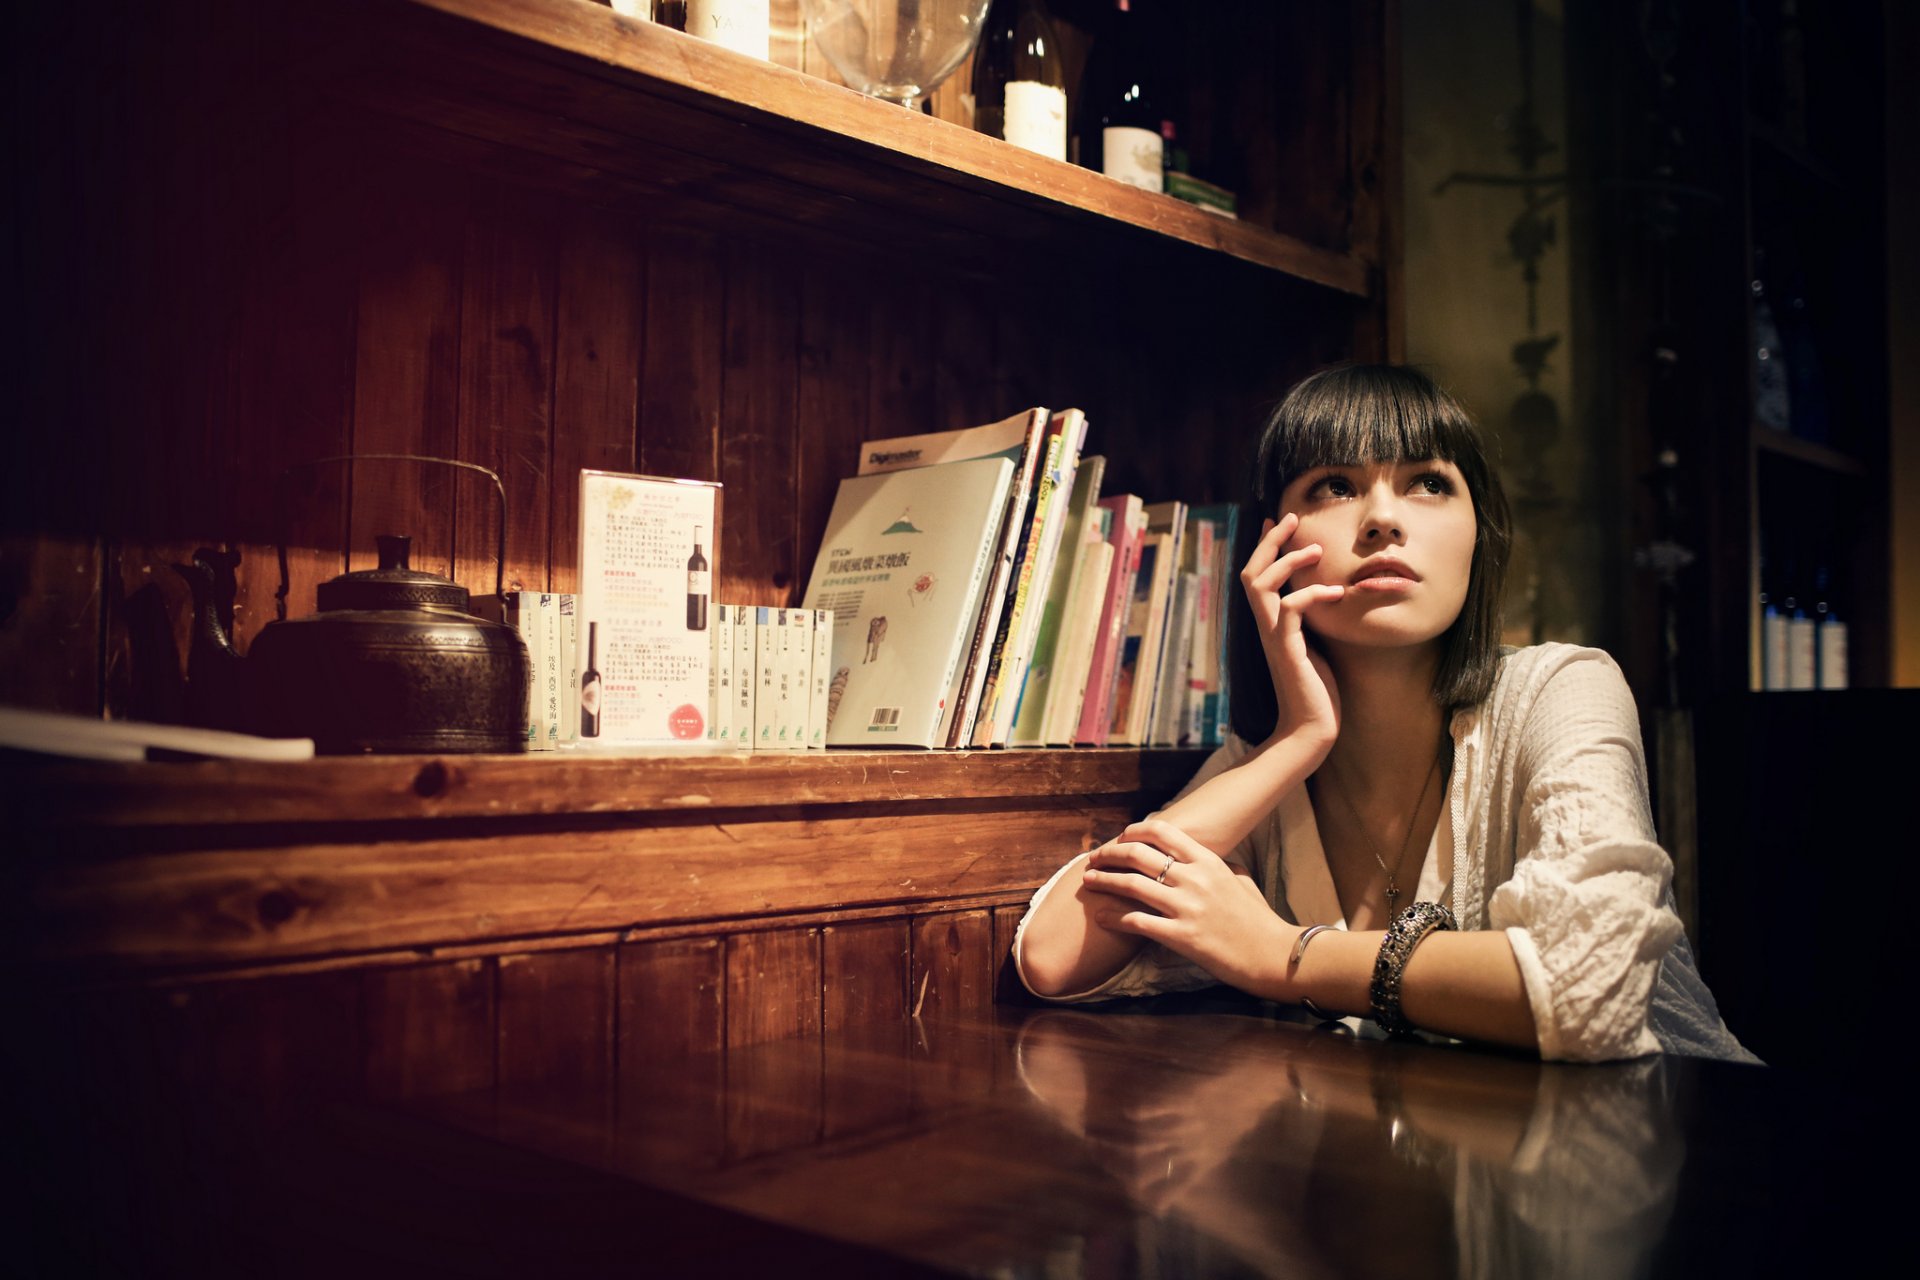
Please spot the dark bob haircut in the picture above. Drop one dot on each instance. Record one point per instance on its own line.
(1352, 416)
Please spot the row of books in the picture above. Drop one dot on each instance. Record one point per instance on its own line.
(548, 622)
(770, 685)
(988, 594)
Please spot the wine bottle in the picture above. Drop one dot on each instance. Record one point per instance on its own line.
(698, 586)
(1773, 640)
(1799, 646)
(1019, 79)
(590, 685)
(1830, 638)
(743, 26)
(1124, 134)
(1772, 400)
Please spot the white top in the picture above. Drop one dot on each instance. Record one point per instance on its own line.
(1549, 836)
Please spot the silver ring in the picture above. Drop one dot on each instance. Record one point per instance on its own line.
(1162, 877)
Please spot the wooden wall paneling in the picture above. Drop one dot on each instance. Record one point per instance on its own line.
(812, 61)
(291, 377)
(865, 967)
(832, 393)
(289, 1043)
(952, 976)
(1305, 107)
(773, 1041)
(758, 446)
(555, 1046)
(671, 1033)
(900, 347)
(122, 1099)
(787, 20)
(681, 375)
(599, 316)
(407, 367)
(506, 390)
(50, 615)
(965, 390)
(1022, 333)
(1007, 988)
(429, 1029)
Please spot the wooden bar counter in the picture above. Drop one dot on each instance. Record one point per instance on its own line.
(1187, 1136)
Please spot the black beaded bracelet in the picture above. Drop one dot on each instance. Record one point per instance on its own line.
(1408, 930)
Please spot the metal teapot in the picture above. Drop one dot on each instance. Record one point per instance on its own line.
(394, 661)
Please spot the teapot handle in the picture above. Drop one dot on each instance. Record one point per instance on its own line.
(500, 549)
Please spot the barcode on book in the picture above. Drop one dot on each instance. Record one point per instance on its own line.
(885, 718)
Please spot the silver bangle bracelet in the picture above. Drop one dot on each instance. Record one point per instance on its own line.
(1408, 930)
(1300, 943)
(1300, 949)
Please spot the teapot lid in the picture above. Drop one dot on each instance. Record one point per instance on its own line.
(393, 585)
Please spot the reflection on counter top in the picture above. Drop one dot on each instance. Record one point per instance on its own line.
(1178, 1140)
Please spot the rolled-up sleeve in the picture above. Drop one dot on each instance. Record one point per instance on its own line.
(1583, 909)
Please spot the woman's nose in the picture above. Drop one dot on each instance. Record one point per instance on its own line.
(1382, 515)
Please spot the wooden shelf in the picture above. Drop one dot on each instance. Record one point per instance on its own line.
(617, 109)
(1786, 445)
(219, 793)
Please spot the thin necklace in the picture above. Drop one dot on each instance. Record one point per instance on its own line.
(1393, 882)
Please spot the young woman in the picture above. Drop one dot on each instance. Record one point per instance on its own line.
(1410, 821)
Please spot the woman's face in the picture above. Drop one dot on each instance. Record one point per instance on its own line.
(1398, 535)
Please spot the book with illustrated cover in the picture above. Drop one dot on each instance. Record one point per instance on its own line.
(1079, 625)
(1033, 570)
(1029, 715)
(1126, 532)
(902, 565)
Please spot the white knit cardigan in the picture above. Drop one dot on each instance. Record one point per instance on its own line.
(1549, 837)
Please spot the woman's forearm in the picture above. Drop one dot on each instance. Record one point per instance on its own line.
(1220, 812)
(1466, 985)
(1063, 949)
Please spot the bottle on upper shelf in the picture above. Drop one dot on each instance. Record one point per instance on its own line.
(744, 26)
(1772, 398)
(1019, 79)
(1125, 100)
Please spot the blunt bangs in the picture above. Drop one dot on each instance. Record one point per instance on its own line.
(1357, 415)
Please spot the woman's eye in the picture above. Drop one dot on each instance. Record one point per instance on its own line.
(1332, 487)
(1433, 482)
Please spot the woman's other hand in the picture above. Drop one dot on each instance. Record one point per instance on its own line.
(1303, 683)
(1167, 887)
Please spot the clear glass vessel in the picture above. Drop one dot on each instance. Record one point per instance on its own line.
(899, 50)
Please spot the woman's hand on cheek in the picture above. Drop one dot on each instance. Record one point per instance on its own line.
(1168, 888)
(1303, 683)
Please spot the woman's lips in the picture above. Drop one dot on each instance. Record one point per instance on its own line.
(1382, 582)
(1378, 567)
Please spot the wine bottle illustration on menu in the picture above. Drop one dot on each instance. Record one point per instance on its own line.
(590, 685)
(698, 586)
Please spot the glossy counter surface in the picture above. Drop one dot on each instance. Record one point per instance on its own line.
(1195, 1138)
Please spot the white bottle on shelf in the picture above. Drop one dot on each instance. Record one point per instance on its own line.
(741, 25)
(1830, 640)
(1773, 645)
(1799, 646)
